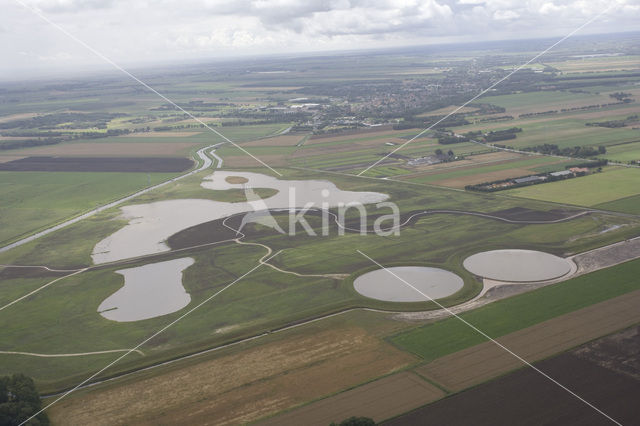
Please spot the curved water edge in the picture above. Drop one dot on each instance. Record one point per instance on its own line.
(516, 265)
(150, 225)
(390, 284)
(149, 291)
(206, 163)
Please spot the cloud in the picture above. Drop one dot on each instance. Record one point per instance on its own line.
(147, 30)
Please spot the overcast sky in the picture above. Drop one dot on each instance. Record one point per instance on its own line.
(134, 31)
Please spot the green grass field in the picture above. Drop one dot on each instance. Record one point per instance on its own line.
(267, 298)
(34, 200)
(612, 184)
(625, 205)
(624, 152)
(506, 316)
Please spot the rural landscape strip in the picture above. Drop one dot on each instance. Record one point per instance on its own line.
(407, 182)
(273, 331)
(493, 340)
(237, 240)
(137, 347)
(488, 88)
(119, 68)
(542, 154)
(206, 163)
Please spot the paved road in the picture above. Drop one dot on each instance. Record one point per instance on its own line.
(206, 163)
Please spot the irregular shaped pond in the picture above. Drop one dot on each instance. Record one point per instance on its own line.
(150, 225)
(382, 285)
(149, 291)
(517, 265)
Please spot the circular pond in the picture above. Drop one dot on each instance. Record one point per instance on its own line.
(517, 265)
(388, 285)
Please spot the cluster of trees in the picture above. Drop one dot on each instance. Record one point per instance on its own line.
(575, 151)
(535, 114)
(449, 139)
(448, 156)
(589, 164)
(614, 123)
(621, 96)
(501, 135)
(486, 109)
(498, 118)
(19, 400)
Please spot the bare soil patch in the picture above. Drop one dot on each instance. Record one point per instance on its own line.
(607, 256)
(111, 149)
(485, 361)
(103, 164)
(379, 400)
(239, 387)
(527, 398)
(619, 352)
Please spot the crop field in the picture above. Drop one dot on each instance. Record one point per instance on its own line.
(102, 164)
(503, 401)
(379, 400)
(237, 389)
(465, 175)
(534, 343)
(110, 149)
(612, 184)
(336, 345)
(520, 312)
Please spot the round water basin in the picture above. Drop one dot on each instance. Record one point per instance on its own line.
(388, 285)
(517, 265)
